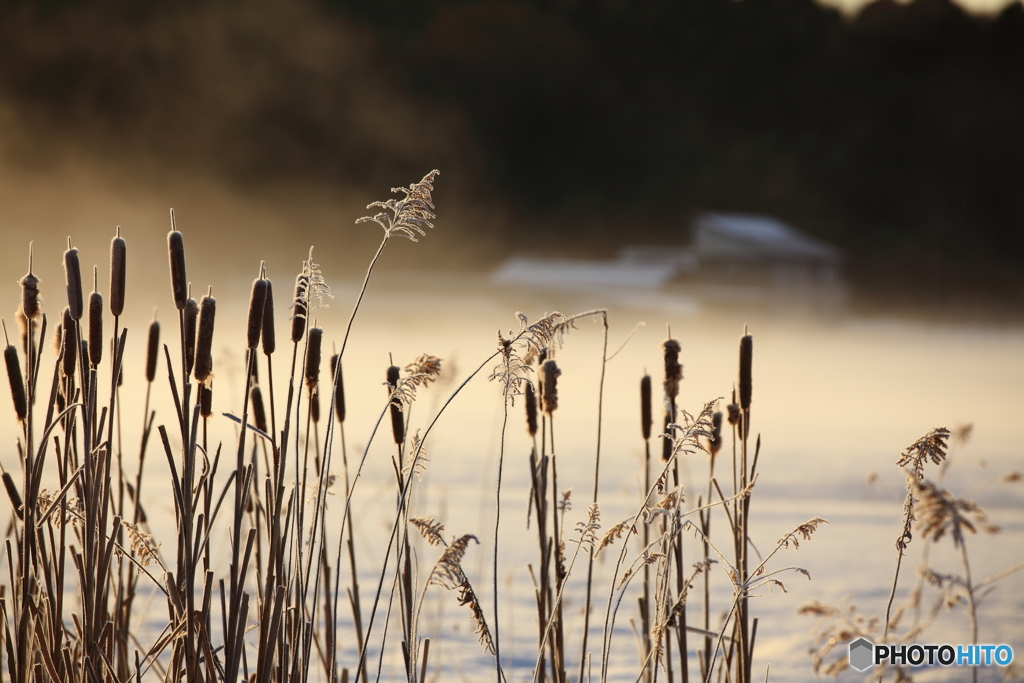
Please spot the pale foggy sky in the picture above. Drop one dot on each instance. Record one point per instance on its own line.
(974, 6)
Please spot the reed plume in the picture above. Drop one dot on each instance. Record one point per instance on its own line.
(409, 215)
(118, 266)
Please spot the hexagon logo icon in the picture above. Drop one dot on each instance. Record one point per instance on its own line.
(861, 654)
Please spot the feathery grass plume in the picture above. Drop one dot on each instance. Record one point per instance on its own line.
(804, 532)
(152, 349)
(118, 264)
(646, 420)
(259, 413)
(73, 278)
(204, 339)
(268, 335)
(299, 308)
(257, 304)
(206, 399)
(142, 544)
(746, 376)
(29, 290)
(550, 374)
(421, 372)
(614, 533)
(410, 214)
(95, 326)
(447, 572)
(397, 420)
(716, 433)
(12, 493)
(930, 447)
(69, 343)
(312, 370)
(939, 512)
(339, 388)
(588, 529)
(17, 383)
(531, 410)
(190, 316)
(429, 528)
(176, 256)
(673, 370)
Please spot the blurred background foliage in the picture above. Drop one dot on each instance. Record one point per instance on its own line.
(896, 133)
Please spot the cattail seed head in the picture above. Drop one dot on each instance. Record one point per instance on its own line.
(73, 278)
(152, 350)
(29, 290)
(257, 304)
(269, 339)
(204, 339)
(118, 264)
(397, 419)
(716, 433)
(550, 374)
(746, 375)
(299, 308)
(69, 344)
(312, 370)
(205, 400)
(531, 409)
(314, 406)
(259, 413)
(57, 332)
(17, 382)
(339, 388)
(95, 328)
(673, 370)
(176, 256)
(23, 326)
(12, 493)
(190, 315)
(645, 407)
(666, 442)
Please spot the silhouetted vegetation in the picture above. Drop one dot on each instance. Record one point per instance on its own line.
(896, 134)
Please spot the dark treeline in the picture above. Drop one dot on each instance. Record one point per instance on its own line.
(898, 133)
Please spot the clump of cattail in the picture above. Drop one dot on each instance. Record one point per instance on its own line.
(190, 316)
(152, 348)
(176, 256)
(257, 304)
(95, 324)
(339, 388)
(299, 308)
(397, 420)
(645, 407)
(12, 493)
(259, 413)
(550, 374)
(269, 339)
(312, 369)
(29, 290)
(531, 410)
(16, 380)
(118, 263)
(204, 339)
(73, 278)
(69, 343)
(746, 376)
(716, 433)
(673, 370)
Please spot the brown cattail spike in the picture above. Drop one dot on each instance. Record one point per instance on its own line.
(269, 339)
(95, 328)
(299, 308)
(314, 406)
(666, 442)
(312, 372)
(259, 413)
(118, 263)
(73, 278)
(339, 388)
(746, 374)
(29, 290)
(397, 420)
(23, 326)
(531, 410)
(673, 370)
(550, 373)
(190, 315)
(205, 400)
(69, 344)
(152, 349)
(716, 433)
(257, 304)
(646, 420)
(17, 382)
(12, 493)
(176, 255)
(204, 339)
